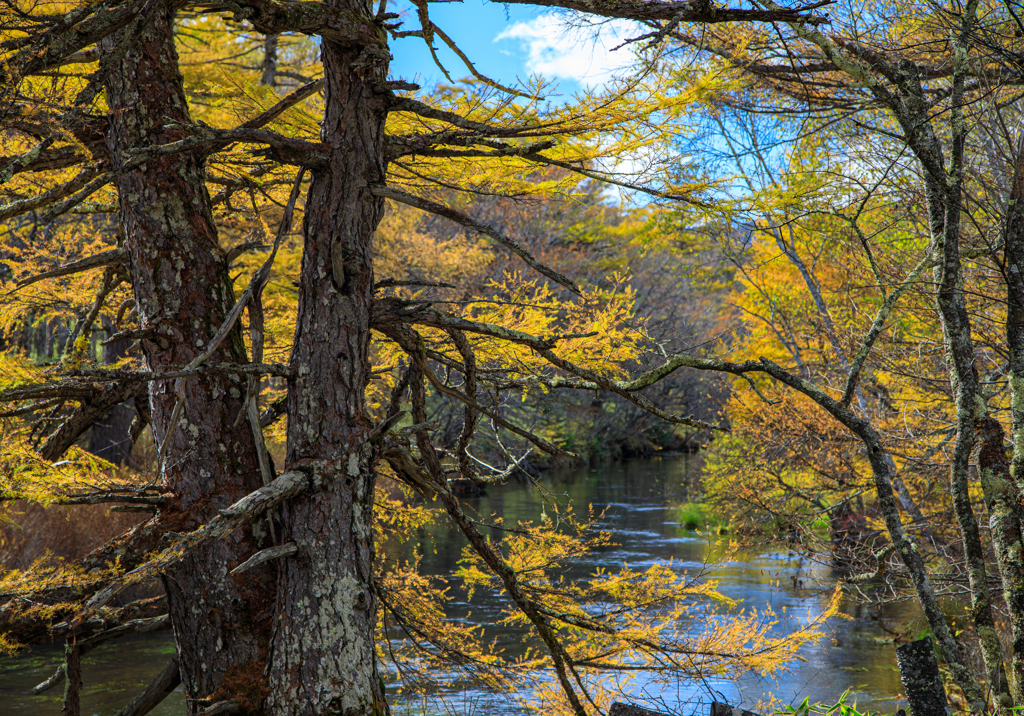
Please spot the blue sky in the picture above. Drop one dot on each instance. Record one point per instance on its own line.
(506, 42)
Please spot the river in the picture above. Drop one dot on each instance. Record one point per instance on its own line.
(857, 653)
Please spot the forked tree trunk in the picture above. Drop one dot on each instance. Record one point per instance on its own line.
(323, 650)
(183, 293)
(311, 651)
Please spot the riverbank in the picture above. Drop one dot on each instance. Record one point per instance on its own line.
(636, 498)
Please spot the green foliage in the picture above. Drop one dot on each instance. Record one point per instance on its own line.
(840, 708)
(697, 516)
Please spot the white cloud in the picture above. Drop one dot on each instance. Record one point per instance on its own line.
(557, 51)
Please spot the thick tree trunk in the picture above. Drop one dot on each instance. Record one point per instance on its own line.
(183, 293)
(922, 682)
(323, 650)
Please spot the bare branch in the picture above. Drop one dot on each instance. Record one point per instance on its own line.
(699, 12)
(286, 103)
(472, 68)
(266, 555)
(287, 485)
(53, 680)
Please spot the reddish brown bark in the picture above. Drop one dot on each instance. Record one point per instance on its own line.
(183, 293)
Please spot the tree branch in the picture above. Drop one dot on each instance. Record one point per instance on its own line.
(158, 690)
(699, 12)
(460, 218)
(287, 485)
(335, 24)
(91, 410)
(104, 258)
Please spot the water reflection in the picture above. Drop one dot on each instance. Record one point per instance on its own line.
(112, 674)
(635, 496)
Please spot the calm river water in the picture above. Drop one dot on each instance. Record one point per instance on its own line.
(857, 653)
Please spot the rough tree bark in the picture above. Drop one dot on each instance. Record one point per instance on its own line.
(922, 682)
(1002, 499)
(1014, 272)
(323, 651)
(183, 293)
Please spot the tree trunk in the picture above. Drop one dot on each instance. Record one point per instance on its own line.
(922, 682)
(323, 651)
(1002, 499)
(1014, 254)
(945, 212)
(73, 674)
(183, 293)
(268, 68)
(109, 437)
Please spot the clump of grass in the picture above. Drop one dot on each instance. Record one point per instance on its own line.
(842, 707)
(697, 516)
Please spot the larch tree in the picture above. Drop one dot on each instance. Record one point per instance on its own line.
(127, 175)
(893, 305)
